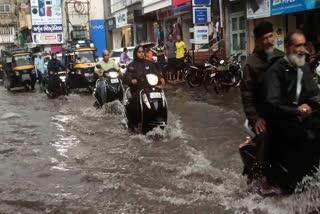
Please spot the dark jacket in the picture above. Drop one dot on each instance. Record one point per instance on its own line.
(280, 84)
(55, 65)
(251, 90)
(137, 69)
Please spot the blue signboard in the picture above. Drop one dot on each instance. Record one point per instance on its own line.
(98, 34)
(291, 6)
(201, 2)
(201, 15)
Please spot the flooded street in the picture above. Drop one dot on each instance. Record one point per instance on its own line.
(64, 156)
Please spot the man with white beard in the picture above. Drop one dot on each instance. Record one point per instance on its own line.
(292, 114)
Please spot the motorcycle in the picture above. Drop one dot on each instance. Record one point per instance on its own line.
(194, 74)
(150, 110)
(57, 82)
(223, 75)
(284, 173)
(109, 88)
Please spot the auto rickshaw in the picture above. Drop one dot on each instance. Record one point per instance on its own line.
(80, 57)
(19, 70)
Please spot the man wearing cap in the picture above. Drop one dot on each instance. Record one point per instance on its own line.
(252, 95)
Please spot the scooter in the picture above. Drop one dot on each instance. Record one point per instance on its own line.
(109, 88)
(150, 110)
(57, 82)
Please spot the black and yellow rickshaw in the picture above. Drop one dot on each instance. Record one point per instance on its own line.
(19, 70)
(80, 59)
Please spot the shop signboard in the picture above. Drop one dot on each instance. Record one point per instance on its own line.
(47, 25)
(121, 18)
(258, 9)
(201, 35)
(182, 8)
(111, 23)
(98, 34)
(180, 2)
(201, 15)
(201, 2)
(290, 6)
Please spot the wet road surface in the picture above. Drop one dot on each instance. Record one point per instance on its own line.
(64, 156)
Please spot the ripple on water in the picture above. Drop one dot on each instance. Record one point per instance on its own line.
(10, 115)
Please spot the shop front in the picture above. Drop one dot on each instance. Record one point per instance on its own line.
(288, 16)
(123, 33)
(155, 24)
(135, 18)
(111, 24)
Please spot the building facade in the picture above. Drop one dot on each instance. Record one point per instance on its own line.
(8, 23)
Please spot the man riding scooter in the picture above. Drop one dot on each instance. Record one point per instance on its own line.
(292, 114)
(54, 65)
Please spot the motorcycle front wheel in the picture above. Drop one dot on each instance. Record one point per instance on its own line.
(211, 85)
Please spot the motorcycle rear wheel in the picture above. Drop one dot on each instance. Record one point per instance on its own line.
(193, 81)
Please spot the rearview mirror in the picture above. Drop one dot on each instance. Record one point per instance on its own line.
(98, 66)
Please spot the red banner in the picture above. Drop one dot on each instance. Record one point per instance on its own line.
(179, 2)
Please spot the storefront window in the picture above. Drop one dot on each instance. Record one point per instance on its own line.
(141, 32)
(242, 24)
(171, 26)
(235, 42)
(234, 24)
(242, 41)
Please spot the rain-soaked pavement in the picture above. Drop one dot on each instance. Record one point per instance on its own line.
(63, 156)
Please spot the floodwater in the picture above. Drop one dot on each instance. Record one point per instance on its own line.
(64, 156)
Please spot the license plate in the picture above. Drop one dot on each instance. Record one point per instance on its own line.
(212, 75)
(88, 74)
(155, 95)
(114, 80)
(25, 77)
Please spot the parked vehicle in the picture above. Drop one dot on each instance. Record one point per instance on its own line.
(54, 84)
(224, 75)
(109, 88)
(194, 74)
(152, 111)
(115, 55)
(18, 69)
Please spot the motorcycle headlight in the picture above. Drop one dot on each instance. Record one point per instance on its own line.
(152, 79)
(221, 62)
(63, 78)
(113, 74)
(17, 73)
(78, 71)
